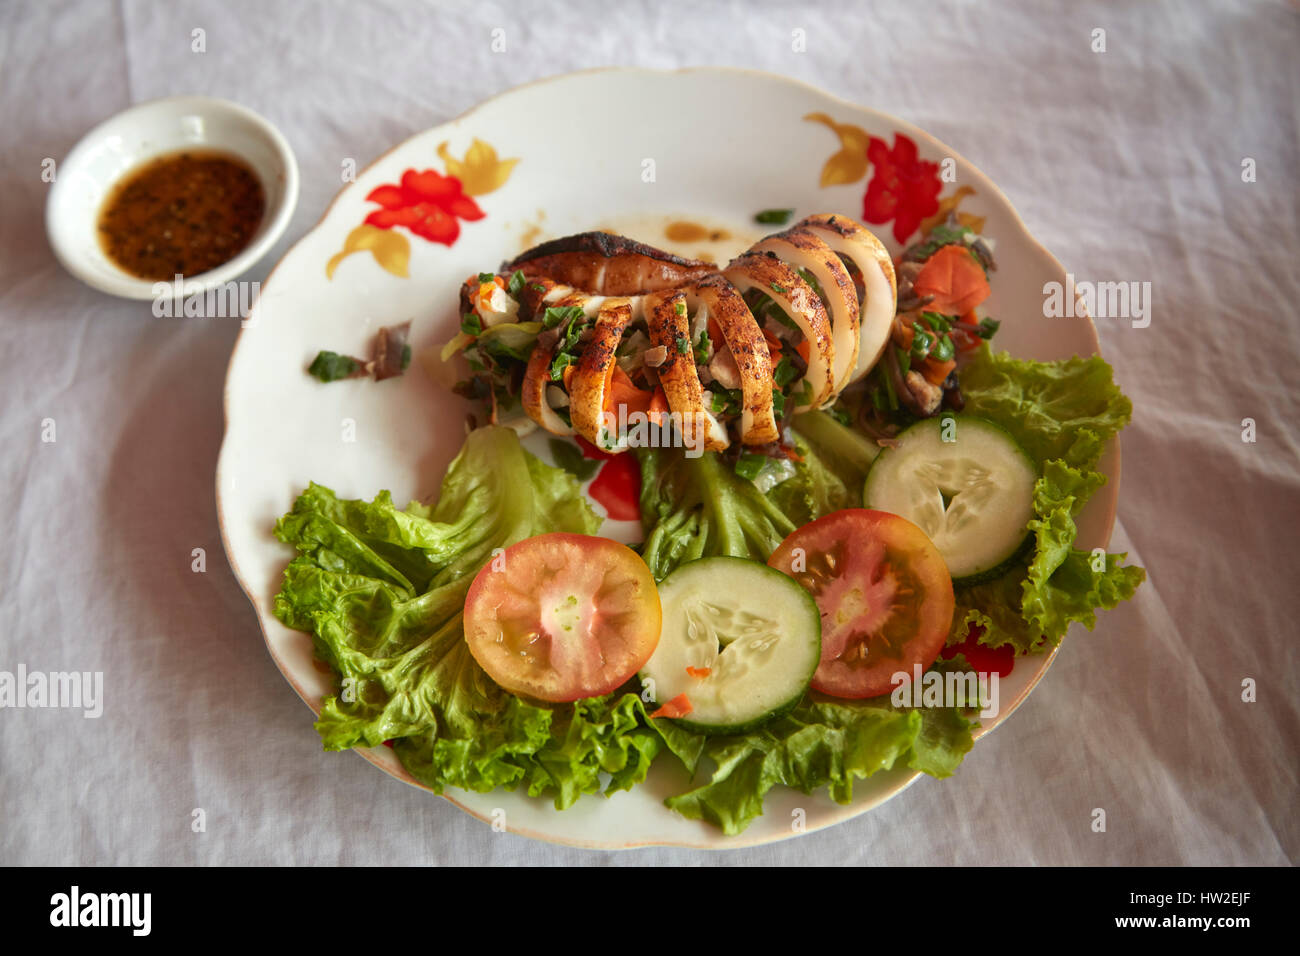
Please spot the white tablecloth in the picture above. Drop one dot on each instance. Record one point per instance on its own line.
(1126, 163)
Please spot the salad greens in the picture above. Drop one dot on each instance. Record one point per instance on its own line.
(382, 591)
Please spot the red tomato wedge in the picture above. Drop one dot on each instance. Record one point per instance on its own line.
(559, 617)
(954, 278)
(884, 593)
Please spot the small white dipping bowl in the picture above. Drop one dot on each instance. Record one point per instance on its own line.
(85, 177)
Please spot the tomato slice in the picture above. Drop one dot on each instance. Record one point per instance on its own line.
(559, 617)
(884, 593)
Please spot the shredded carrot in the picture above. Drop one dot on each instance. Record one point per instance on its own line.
(773, 346)
(619, 390)
(679, 706)
(658, 405)
(955, 279)
(699, 671)
(936, 372)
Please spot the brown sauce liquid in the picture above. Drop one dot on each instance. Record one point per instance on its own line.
(185, 213)
(682, 231)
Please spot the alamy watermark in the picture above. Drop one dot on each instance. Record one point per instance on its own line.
(637, 429)
(1101, 300)
(233, 299)
(75, 690)
(950, 689)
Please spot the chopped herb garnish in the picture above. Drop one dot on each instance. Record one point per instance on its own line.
(471, 324)
(330, 366)
(904, 359)
(749, 465)
(782, 290)
(538, 287)
(569, 457)
(988, 327)
(922, 342)
(683, 345)
(726, 401)
(891, 397)
(943, 350)
(555, 315)
(406, 357)
(487, 277)
(561, 362)
(785, 372)
(774, 217)
(778, 403)
(680, 308)
(516, 284)
(934, 320)
(703, 346)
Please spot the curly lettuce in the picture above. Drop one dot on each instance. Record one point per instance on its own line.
(382, 592)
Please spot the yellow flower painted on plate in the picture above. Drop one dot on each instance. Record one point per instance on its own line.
(850, 163)
(480, 172)
(391, 249)
(949, 205)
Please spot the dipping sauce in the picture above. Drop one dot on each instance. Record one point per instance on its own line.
(184, 213)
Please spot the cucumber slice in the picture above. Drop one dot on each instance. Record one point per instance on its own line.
(973, 495)
(752, 636)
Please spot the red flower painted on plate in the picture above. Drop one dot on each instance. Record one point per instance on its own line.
(904, 188)
(428, 203)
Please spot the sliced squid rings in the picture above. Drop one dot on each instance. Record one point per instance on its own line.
(830, 278)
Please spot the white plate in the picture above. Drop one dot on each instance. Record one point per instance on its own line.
(691, 145)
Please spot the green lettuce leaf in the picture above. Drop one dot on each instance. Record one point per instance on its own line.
(697, 507)
(382, 592)
(835, 463)
(1064, 410)
(1062, 413)
(821, 743)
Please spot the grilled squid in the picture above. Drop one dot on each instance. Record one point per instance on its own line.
(587, 332)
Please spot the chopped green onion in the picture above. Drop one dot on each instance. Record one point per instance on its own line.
(891, 397)
(988, 327)
(774, 217)
(487, 277)
(922, 342)
(943, 350)
(683, 345)
(749, 465)
(936, 321)
(778, 288)
(680, 308)
(516, 284)
(471, 324)
(703, 345)
(778, 403)
(904, 359)
(538, 287)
